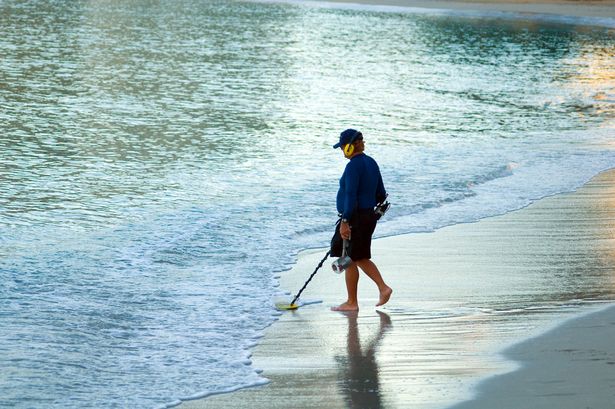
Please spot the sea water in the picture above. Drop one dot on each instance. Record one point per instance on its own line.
(162, 162)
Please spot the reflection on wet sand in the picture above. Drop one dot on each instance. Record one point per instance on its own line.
(358, 371)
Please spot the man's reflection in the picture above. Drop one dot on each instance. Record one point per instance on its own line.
(358, 371)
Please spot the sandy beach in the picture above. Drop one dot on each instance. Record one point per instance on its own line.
(570, 367)
(424, 354)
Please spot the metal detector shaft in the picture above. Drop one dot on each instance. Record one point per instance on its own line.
(311, 276)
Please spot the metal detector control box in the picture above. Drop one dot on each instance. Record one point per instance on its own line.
(342, 263)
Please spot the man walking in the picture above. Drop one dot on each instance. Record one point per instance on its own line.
(361, 188)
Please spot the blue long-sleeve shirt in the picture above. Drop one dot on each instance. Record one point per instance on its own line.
(361, 186)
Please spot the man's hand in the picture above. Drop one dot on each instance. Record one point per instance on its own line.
(345, 230)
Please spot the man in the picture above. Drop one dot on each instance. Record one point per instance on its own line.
(361, 188)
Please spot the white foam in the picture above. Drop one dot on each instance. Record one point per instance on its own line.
(201, 395)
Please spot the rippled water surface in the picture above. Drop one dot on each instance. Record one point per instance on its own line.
(160, 161)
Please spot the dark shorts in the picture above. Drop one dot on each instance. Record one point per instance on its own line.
(362, 224)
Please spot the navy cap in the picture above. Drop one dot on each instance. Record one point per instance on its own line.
(346, 137)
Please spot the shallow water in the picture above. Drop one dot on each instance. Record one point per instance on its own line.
(162, 161)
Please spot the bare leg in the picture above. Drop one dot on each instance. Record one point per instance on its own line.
(372, 272)
(352, 284)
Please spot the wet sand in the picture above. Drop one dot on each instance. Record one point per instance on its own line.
(462, 295)
(570, 367)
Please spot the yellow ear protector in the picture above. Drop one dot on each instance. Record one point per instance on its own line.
(349, 147)
(348, 150)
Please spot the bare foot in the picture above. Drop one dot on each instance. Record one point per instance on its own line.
(346, 307)
(384, 296)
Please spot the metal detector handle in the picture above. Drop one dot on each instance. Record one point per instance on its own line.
(311, 276)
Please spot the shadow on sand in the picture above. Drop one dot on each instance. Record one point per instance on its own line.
(358, 371)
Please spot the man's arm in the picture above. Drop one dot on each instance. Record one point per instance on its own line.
(351, 192)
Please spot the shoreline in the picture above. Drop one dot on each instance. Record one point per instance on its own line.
(582, 13)
(425, 347)
(556, 7)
